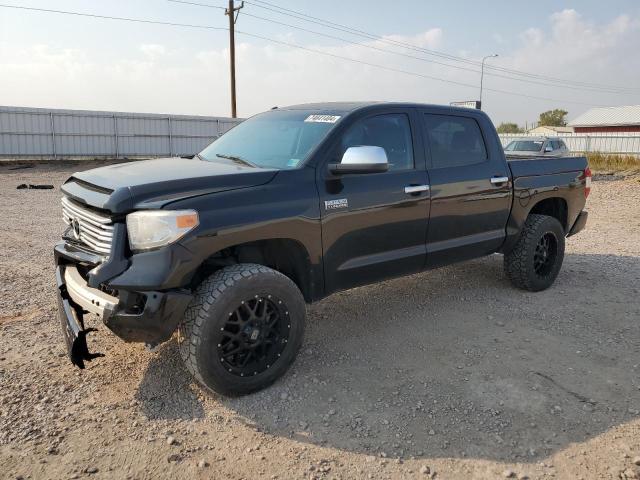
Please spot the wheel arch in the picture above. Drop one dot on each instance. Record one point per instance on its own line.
(552, 204)
(555, 207)
(285, 255)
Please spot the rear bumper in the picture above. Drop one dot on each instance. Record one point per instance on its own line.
(579, 224)
(147, 316)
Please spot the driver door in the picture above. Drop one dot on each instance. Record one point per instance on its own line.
(374, 225)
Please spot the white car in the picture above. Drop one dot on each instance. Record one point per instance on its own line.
(544, 146)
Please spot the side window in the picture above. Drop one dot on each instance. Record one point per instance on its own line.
(389, 131)
(454, 141)
(555, 144)
(562, 145)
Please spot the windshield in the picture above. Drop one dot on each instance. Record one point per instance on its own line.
(280, 139)
(524, 146)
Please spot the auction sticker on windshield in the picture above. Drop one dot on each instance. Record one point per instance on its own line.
(322, 118)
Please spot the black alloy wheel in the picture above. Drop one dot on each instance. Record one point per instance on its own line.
(243, 328)
(535, 260)
(545, 254)
(254, 336)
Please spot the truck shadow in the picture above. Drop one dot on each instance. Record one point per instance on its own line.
(454, 363)
(166, 391)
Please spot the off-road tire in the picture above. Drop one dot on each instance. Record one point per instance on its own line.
(519, 263)
(205, 317)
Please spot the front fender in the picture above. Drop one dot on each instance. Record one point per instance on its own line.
(286, 208)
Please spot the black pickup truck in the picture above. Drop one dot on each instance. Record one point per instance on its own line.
(293, 204)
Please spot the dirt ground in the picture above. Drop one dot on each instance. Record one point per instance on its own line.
(449, 374)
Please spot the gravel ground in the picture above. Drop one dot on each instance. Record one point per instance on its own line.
(447, 374)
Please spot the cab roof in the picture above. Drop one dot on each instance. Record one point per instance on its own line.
(347, 107)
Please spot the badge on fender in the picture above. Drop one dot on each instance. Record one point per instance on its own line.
(335, 204)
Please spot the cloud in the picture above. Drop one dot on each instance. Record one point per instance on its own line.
(532, 37)
(153, 51)
(572, 39)
(156, 78)
(572, 47)
(431, 39)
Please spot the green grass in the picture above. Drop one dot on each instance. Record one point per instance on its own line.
(612, 162)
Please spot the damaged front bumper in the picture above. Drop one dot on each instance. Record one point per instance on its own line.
(147, 316)
(71, 320)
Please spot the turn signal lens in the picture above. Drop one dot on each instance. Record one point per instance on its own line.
(187, 221)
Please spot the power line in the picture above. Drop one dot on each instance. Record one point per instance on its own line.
(108, 17)
(556, 82)
(353, 31)
(383, 50)
(344, 28)
(330, 24)
(326, 35)
(198, 4)
(406, 72)
(293, 45)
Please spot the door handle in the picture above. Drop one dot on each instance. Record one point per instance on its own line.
(416, 188)
(498, 180)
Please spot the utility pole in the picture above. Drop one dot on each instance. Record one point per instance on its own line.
(482, 75)
(231, 12)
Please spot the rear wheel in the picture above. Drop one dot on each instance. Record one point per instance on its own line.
(243, 329)
(535, 261)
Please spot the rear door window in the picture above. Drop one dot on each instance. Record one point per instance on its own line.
(454, 141)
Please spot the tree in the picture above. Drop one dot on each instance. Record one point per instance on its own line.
(553, 118)
(509, 128)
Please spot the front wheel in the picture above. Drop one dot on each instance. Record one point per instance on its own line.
(535, 261)
(243, 329)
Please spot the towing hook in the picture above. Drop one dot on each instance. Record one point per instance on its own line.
(80, 349)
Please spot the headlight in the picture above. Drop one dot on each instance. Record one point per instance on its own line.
(149, 229)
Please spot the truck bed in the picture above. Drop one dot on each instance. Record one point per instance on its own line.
(531, 166)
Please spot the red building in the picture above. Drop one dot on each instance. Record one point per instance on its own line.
(608, 120)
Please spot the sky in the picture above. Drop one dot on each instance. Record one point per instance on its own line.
(62, 61)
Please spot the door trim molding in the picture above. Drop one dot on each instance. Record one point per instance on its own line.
(382, 257)
(457, 242)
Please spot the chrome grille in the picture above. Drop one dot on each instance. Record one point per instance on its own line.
(93, 229)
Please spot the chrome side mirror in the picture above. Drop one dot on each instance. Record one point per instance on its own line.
(361, 159)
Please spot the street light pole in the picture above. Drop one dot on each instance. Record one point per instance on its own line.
(482, 75)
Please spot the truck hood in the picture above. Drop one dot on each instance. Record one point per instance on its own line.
(128, 186)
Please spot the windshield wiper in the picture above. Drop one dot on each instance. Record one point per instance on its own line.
(236, 159)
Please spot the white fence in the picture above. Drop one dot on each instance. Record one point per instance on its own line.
(620, 143)
(45, 133)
